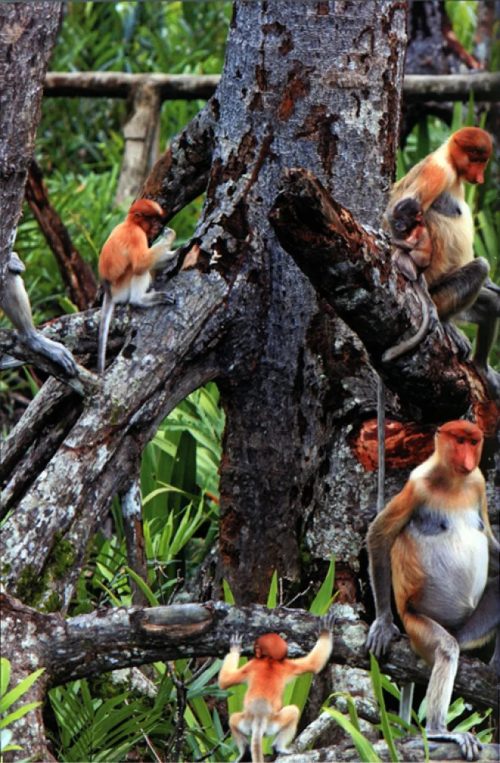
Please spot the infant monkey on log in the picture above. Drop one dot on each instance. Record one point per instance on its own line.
(266, 676)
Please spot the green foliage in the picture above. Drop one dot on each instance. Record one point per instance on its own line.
(391, 726)
(463, 18)
(8, 697)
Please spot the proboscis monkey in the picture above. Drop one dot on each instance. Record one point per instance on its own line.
(266, 676)
(444, 568)
(457, 282)
(126, 262)
(15, 303)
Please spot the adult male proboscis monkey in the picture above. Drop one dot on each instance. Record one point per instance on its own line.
(444, 568)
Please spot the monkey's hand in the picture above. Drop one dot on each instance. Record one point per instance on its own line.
(235, 643)
(382, 632)
(54, 351)
(327, 622)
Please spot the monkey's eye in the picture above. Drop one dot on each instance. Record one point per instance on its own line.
(460, 440)
(474, 442)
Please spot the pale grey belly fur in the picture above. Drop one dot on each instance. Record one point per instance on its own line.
(453, 550)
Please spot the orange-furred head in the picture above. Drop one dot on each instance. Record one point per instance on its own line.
(145, 208)
(459, 445)
(271, 645)
(470, 149)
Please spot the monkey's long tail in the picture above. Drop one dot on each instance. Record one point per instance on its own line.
(258, 727)
(104, 323)
(409, 344)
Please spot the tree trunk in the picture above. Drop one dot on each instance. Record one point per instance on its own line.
(314, 86)
(28, 32)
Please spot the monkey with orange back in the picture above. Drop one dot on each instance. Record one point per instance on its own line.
(428, 205)
(444, 568)
(126, 262)
(266, 676)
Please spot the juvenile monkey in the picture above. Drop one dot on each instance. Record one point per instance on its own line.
(15, 303)
(433, 191)
(266, 676)
(412, 254)
(126, 262)
(444, 568)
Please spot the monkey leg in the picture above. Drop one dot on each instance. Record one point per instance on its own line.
(284, 725)
(441, 650)
(484, 312)
(240, 729)
(457, 290)
(484, 622)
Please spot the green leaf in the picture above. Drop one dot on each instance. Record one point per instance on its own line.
(6, 720)
(22, 687)
(384, 720)
(272, 596)
(364, 747)
(4, 675)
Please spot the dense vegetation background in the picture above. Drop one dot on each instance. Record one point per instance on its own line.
(171, 711)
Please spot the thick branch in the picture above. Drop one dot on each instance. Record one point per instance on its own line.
(119, 85)
(351, 268)
(451, 87)
(106, 640)
(484, 85)
(181, 173)
(99, 453)
(410, 750)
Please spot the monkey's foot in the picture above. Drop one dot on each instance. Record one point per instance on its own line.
(470, 747)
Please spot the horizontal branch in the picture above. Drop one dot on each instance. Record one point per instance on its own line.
(351, 268)
(412, 749)
(110, 639)
(484, 85)
(120, 84)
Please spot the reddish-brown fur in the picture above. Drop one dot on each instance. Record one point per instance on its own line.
(462, 158)
(443, 568)
(266, 676)
(126, 252)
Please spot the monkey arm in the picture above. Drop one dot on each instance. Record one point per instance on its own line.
(433, 180)
(381, 536)
(230, 674)
(317, 657)
(15, 302)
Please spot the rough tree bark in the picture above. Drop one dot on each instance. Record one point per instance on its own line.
(27, 35)
(296, 382)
